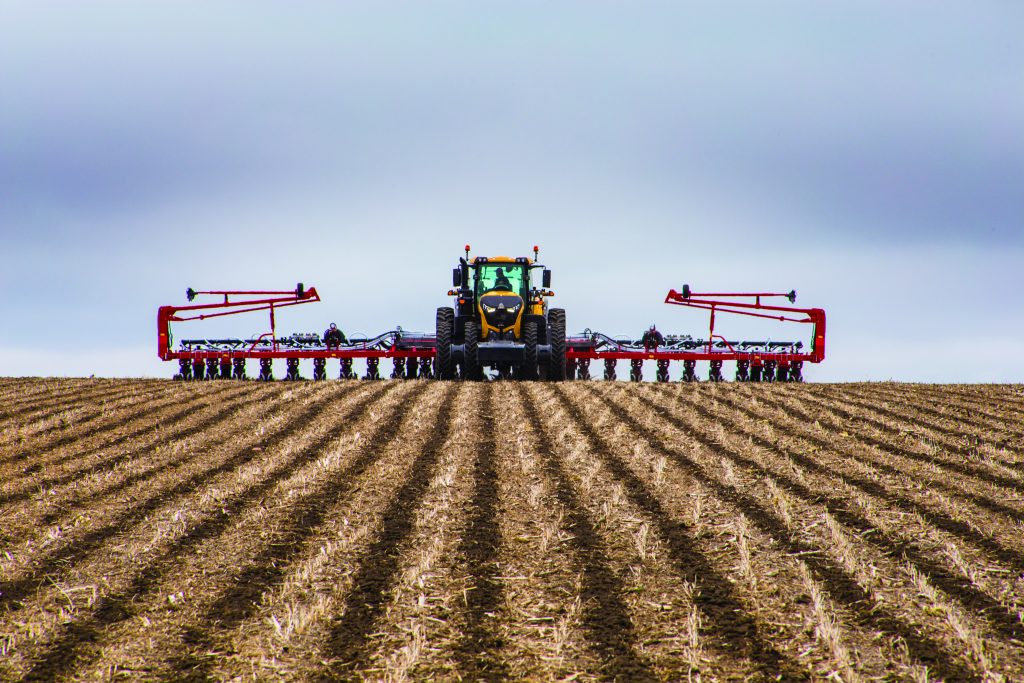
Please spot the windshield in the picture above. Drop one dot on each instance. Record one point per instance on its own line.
(508, 276)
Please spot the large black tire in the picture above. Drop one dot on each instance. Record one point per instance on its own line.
(528, 369)
(443, 358)
(471, 369)
(556, 339)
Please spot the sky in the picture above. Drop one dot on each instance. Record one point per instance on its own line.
(868, 154)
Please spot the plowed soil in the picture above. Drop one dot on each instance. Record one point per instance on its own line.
(422, 530)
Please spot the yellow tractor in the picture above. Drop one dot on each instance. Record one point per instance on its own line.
(501, 320)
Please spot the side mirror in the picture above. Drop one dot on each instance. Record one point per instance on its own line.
(546, 280)
(456, 277)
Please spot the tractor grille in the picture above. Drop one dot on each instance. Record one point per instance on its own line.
(501, 310)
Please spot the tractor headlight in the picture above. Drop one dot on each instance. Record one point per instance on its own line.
(514, 309)
(489, 309)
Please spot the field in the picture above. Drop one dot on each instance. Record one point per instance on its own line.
(426, 530)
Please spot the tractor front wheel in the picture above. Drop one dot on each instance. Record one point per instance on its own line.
(528, 369)
(470, 360)
(556, 340)
(443, 357)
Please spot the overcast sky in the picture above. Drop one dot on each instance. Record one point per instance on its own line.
(868, 154)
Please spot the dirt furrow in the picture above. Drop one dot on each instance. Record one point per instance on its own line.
(99, 459)
(132, 470)
(348, 640)
(84, 542)
(861, 608)
(917, 499)
(57, 397)
(15, 385)
(424, 621)
(997, 441)
(540, 622)
(85, 414)
(108, 418)
(989, 499)
(988, 489)
(1011, 397)
(122, 479)
(31, 425)
(478, 651)
(606, 618)
(837, 459)
(247, 552)
(851, 510)
(424, 610)
(729, 623)
(587, 531)
(944, 414)
(319, 581)
(953, 449)
(873, 430)
(71, 413)
(958, 403)
(706, 552)
(16, 394)
(183, 534)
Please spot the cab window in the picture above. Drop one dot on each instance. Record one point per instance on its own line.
(510, 278)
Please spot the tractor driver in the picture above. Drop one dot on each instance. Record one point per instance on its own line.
(501, 281)
(334, 337)
(652, 339)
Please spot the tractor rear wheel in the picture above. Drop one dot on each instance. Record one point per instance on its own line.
(528, 369)
(443, 357)
(470, 360)
(556, 340)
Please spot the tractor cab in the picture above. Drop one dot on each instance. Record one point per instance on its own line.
(501, 275)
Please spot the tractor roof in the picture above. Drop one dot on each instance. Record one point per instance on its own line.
(480, 260)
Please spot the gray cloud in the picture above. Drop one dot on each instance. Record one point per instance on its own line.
(146, 148)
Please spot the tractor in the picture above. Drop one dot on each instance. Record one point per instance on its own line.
(500, 319)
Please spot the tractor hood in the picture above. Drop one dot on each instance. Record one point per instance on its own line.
(501, 309)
